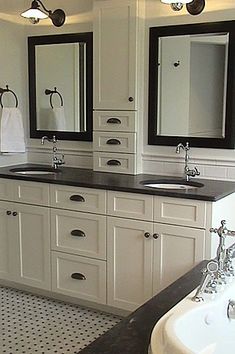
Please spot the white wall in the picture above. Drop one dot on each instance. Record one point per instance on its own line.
(13, 69)
(213, 163)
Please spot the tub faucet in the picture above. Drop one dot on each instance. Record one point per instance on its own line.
(187, 171)
(56, 160)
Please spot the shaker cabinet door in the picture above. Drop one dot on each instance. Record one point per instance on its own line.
(115, 53)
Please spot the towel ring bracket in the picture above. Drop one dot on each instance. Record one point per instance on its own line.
(4, 90)
(51, 93)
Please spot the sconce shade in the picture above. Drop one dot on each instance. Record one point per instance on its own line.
(174, 1)
(34, 14)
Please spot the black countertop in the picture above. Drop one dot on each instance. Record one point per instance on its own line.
(132, 334)
(212, 190)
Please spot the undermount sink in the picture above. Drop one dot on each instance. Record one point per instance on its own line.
(171, 184)
(35, 171)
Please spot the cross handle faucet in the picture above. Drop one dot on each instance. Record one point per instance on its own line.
(187, 171)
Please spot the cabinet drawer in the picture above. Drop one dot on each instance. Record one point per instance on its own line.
(180, 211)
(78, 233)
(114, 142)
(116, 163)
(113, 121)
(76, 198)
(6, 189)
(79, 277)
(31, 192)
(129, 205)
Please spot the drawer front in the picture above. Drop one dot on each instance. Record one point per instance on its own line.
(80, 277)
(31, 192)
(78, 233)
(80, 199)
(123, 121)
(129, 205)
(115, 163)
(114, 142)
(6, 189)
(180, 212)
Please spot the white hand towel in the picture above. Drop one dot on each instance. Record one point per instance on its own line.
(12, 131)
(57, 119)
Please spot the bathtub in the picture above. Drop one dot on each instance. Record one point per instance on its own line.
(197, 328)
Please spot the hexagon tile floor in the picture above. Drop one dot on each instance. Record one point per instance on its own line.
(32, 324)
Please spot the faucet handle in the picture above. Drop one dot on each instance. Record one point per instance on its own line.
(197, 172)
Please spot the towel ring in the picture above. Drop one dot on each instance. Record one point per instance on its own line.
(2, 91)
(51, 93)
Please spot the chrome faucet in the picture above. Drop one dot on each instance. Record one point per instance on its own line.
(218, 270)
(56, 161)
(187, 171)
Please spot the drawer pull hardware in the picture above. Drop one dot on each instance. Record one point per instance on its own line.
(78, 276)
(113, 142)
(14, 213)
(156, 236)
(8, 212)
(78, 233)
(130, 99)
(77, 198)
(114, 121)
(146, 234)
(113, 163)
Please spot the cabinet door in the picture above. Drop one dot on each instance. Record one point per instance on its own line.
(176, 250)
(115, 54)
(9, 257)
(33, 232)
(129, 263)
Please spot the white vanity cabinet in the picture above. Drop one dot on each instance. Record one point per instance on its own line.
(145, 256)
(78, 235)
(25, 235)
(118, 40)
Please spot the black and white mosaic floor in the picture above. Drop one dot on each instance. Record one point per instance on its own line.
(32, 324)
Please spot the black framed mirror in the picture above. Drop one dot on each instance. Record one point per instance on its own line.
(61, 85)
(192, 85)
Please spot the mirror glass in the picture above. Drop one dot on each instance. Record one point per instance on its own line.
(189, 85)
(60, 80)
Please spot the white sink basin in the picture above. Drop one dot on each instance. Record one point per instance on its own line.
(35, 171)
(172, 184)
(197, 328)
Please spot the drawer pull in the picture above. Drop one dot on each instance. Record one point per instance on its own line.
(77, 198)
(78, 233)
(113, 163)
(78, 276)
(113, 142)
(114, 121)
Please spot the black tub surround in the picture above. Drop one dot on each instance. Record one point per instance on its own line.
(212, 190)
(132, 334)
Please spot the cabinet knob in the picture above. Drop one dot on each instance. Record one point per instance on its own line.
(8, 212)
(78, 276)
(77, 198)
(130, 99)
(78, 233)
(156, 236)
(146, 234)
(14, 213)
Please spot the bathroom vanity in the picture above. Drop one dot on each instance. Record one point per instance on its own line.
(85, 235)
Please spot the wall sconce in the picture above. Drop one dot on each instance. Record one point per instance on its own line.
(194, 7)
(35, 14)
